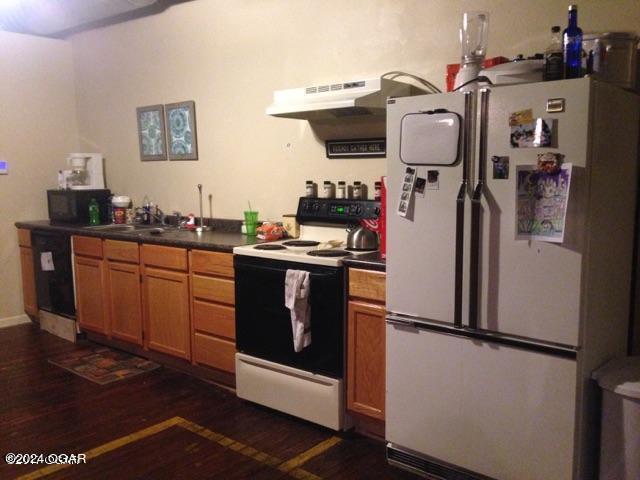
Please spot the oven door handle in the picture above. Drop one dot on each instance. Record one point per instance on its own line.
(281, 270)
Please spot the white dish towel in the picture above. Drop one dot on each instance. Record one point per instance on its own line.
(297, 287)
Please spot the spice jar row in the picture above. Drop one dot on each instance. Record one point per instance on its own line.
(356, 191)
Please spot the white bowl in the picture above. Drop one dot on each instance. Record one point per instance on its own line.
(121, 201)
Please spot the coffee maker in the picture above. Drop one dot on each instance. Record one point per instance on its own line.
(85, 172)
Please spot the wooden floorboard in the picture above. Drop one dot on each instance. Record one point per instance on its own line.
(46, 409)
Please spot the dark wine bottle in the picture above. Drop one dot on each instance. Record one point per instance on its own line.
(572, 39)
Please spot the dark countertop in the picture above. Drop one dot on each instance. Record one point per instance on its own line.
(221, 239)
(367, 261)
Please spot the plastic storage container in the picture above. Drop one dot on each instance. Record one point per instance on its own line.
(615, 57)
(620, 433)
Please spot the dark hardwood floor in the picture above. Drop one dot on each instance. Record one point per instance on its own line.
(201, 430)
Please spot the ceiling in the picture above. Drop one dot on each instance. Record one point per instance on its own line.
(61, 18)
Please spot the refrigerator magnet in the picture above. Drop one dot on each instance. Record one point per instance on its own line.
(433, 182)
(550, 162)
(535, 134)
(521, 117)
(406, 191)
(419, 187)
(500, 167)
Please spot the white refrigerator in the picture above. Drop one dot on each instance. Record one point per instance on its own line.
(496, 319)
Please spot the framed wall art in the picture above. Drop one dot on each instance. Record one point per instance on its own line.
(182, 142)
(151, 133)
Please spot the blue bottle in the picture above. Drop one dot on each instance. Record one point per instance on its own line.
(572, 38)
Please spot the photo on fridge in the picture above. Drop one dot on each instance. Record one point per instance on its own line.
(536, 134)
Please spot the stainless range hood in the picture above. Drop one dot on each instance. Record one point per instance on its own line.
(338, 100)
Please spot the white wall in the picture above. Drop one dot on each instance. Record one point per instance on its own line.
(37, 129)
(229, 56)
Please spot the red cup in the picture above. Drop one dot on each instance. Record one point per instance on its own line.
(119, 215)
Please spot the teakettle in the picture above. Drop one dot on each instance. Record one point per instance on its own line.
(361, 238)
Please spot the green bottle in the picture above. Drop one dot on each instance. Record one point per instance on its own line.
(94, 212)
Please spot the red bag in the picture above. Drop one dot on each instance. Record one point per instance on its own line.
(382, 219)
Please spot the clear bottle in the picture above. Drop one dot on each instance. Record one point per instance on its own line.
(554, 57)
(94, 212)
(572, 43)
(146, 210)
(110, 217)
(341, 192)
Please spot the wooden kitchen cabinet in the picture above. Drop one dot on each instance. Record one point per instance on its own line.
(28, 273)
(366, 343)
(213, 307)
(124, 290)
(166, 300)
(90, 282)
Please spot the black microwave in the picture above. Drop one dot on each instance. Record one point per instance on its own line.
(72, 206)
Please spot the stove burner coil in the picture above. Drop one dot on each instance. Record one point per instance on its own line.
(266, 246)
(301, 243)
(328, 253)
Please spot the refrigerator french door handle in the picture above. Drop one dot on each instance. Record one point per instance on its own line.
(460, 199)
(496, 338)
(401, 322)
(476, 210)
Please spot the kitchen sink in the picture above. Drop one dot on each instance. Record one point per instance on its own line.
(141, 229)
(121, 228)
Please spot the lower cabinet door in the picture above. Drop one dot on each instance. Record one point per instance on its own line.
(366, 359)
(90, 294)
(125, 301)
(166, 310)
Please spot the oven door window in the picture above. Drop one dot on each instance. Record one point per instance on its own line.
(263, 323)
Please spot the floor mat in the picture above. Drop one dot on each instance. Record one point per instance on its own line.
(103, 365)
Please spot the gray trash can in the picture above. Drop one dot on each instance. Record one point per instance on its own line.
(620, 435)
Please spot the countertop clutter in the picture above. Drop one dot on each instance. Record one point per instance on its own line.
(223, 238)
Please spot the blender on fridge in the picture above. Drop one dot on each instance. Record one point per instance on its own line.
(474, 32)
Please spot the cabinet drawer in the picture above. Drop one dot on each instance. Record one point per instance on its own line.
(214, 289)
(88, 246)
(215, 319)
(164, 257)
(367, 284)
(123, 251)
(215, 352)
(214, 263)
(24, 237)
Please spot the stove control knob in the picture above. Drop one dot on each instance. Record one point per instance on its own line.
(358, 209)
(316, 207)
(377, 211)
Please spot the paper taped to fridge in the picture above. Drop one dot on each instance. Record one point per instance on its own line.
(541, 200)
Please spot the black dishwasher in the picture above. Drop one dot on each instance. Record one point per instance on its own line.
(53, 271)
